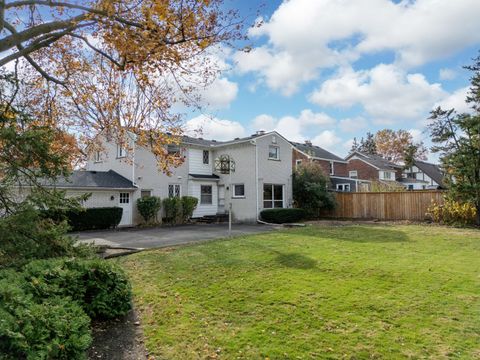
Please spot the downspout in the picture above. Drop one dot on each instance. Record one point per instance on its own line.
(134, 138)
(254, 143)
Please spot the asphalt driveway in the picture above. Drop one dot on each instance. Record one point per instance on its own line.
(167, 236)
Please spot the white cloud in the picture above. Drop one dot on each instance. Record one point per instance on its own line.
(386, 92)
(353, 124)
(327, 139)
(305, 36)
(447, 74)
(456, 101)
(214, 128)
(297, 128)
(220, 94)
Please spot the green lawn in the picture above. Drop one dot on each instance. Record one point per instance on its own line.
(354, 292)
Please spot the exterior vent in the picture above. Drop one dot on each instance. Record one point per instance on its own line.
(260, 132)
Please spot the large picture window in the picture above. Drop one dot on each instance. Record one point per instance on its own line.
(272, 196)
(206, 194)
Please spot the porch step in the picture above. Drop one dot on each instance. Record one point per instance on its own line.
(211, 219)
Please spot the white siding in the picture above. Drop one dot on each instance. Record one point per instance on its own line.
(194, 190)
(195, 162)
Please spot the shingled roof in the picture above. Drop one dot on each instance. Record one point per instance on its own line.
(93, 179)
(316, 151)
(375, 160)
(432, 170)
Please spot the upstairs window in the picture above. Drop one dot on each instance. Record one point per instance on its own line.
(97, 157)
(353, 174)
(206, 157)
(121, 151)
(387, 175)
(173, 149)
(273, 152)
(298, 163)
(332, 170)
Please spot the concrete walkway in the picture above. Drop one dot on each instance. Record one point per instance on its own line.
(166, 236)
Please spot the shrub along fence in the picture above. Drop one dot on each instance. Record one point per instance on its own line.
(406, 205)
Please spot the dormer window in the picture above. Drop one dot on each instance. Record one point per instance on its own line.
(121, 151)
(206, 157)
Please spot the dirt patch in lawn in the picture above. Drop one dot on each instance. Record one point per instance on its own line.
(120, 339)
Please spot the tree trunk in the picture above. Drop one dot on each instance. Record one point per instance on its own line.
(477, 218)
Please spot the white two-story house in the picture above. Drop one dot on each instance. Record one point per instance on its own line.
(262, 177)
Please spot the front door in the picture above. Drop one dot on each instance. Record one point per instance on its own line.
(125, 202)
(221, 199)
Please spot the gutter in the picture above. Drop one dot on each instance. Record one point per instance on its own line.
(254, 143)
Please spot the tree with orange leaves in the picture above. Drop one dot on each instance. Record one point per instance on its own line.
(113, 66)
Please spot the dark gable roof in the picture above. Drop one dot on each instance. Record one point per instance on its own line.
(93, 179)
(316, 151)
(432, 170)
(376, 160)
(210, 143)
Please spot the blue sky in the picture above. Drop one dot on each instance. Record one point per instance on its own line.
(331, 70)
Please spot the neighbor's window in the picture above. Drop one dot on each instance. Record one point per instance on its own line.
(206, 157)
(353, 174)
(387, 175)
(272, 196)
(274, 152)
(331, 168)
(174, 190)
(206, 194)
(343, 187)
(238, 190)
(121, 152)
(298, 163)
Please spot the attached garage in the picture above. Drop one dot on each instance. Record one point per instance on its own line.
(108, 188)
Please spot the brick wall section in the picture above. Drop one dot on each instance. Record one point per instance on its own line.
(298, 156)
(364, 171)
(340, 169)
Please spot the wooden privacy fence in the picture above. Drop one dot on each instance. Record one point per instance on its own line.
(405, 205)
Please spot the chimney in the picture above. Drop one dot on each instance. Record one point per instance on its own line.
(260, 132)
(308, 143)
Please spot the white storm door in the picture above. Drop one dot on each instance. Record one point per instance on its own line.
(125, 202)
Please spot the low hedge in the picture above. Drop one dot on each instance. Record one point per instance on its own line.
(100, 287)
(89, 218)
(282, 216)
(54, 328)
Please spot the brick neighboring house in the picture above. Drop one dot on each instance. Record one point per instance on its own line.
(334, 167)
(373, 168)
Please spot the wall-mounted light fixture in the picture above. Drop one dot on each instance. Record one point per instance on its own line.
(112, 198)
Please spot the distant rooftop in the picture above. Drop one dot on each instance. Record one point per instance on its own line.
(316, 151)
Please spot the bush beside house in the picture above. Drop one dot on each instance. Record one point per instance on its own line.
(283, 216)
(148, 207)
